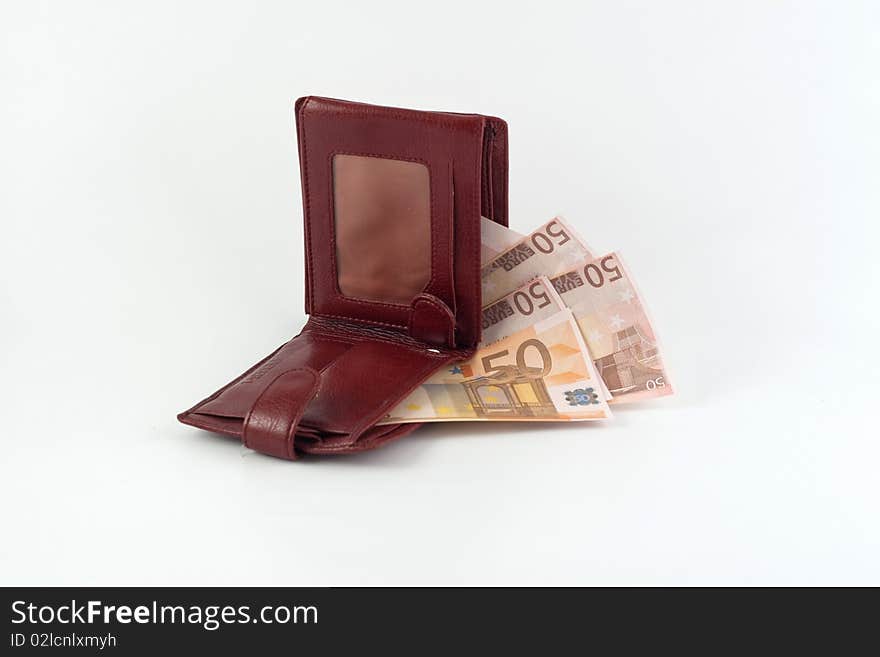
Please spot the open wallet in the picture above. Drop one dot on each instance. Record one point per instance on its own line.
(392, 200)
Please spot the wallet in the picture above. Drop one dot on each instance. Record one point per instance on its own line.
(392, 200)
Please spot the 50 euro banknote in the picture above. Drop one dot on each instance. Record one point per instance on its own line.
(532, 365)
(552, 248)
(614, 322)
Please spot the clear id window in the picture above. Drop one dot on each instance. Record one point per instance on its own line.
(382, 223)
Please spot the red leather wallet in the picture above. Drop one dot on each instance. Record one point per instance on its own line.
(392, 200)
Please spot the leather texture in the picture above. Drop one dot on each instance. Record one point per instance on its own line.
(324, 391)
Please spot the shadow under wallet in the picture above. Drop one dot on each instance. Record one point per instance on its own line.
(392, 201)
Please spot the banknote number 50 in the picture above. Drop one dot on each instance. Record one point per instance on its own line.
(544, 244)
(524, 303)
(653, 384)
(521, 366)
(595, 274)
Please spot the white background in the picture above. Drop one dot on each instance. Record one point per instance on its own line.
(151, 251)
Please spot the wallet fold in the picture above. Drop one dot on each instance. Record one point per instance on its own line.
(392, 200)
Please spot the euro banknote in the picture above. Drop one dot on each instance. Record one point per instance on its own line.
(533, 302)
(612, 318)
(552, 248)
(495, 239)
(532, 365)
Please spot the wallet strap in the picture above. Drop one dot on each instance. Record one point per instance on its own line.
(431, 321)
(270, 425)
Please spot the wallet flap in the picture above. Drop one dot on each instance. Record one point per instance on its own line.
(392, 201)
(324, 390)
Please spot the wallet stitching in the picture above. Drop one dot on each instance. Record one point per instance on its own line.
(475, 248)
(450, 261)
(363, 321)
(487, 154)
(501, 139)
(308, 204)
(348, 338)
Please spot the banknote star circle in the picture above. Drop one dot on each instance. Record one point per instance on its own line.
(617, 322)
(595, 335)
(627, 296)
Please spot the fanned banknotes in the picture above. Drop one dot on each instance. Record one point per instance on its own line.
(532, 365)
(564, 334)
(613, 320)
